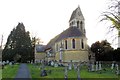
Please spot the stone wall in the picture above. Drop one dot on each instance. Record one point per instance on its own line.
(69, 44)
(75, 56)
(39, 56)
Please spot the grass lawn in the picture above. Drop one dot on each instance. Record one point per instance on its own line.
(0, 73)
(9, 71)
(59, 73)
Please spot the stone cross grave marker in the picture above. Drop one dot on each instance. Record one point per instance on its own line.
(78, 72)
(65, 73)
(100, 66)
(75, 66)
(97, 66)
(92, 66)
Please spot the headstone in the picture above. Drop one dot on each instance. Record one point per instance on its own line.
(0, 63)
(3, 62)
(100, 66)
(112, 65)
(43, 73)
(89, 66)
(92, 66)
(10, 63)
(66, 75)
(97, 66)
(56, 65)
(78, 72)
(117, 69)
(7, 62)
(70, 66)
(49, 63)
(52, 63)
(75, 66)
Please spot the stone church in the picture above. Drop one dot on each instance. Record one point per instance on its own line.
(71, 44)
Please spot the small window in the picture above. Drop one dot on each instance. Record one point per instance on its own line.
(81, 25)
(77, 24)
(65, 44)
(73, 43)
(57, 47)
(82, 44)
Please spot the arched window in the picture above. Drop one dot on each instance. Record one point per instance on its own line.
(73, 43)
(82, 44)
(81, 25)
(65, 44)
(57, 47)
(77, 24)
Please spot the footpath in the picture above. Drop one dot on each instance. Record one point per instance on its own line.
(23, 73)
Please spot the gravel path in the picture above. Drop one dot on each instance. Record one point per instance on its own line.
(23, 73)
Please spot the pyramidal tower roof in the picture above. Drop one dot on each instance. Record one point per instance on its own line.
(77, 13)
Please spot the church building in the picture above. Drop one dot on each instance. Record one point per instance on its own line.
(71, 44)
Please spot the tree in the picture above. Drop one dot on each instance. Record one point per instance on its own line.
(113, 16)
(18, 43)
(102, 50)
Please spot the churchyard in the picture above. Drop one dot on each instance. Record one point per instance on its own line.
(72, 72)
(53, 70)
(9, 70)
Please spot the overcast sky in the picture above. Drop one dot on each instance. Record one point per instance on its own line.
(47, 18)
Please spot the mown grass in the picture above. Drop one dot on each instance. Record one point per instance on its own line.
(58, 72)
(10, 71)
(0, 73)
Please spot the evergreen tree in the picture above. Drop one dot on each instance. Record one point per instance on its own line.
(18, 44)
(103, 51)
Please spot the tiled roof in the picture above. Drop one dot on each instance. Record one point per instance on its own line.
(40, 48)
(75, 13)
(70, 32)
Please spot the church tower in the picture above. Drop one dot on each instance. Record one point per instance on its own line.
(77, 20)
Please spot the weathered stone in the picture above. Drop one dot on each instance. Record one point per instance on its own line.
(96, 66)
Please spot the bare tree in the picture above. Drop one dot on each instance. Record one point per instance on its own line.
(113, 16)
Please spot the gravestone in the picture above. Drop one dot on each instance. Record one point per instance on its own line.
(42, 69)
(56, 64)
(89, 66)
(52, 63)
(97, 66)
(49, 63)
(7, 62)
(75, 66)
(112, 66)
(92, 67)
(78, 72)
(100, 66)
(3, 62)
(10, 63)
(43, 73)
(0, 63)
(117, 69)
(65, 73)
(70, 66)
